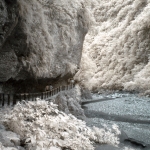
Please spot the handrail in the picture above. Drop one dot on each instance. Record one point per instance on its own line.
(12, 99)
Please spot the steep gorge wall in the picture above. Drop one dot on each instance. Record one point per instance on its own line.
(116, 52)
(41, 39)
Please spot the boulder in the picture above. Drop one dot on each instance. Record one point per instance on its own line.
(68, 102)
(86, 94)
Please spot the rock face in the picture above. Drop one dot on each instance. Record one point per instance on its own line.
(8, 58)
(85, 94)
(116, 51)
(69, 102)
(40, 40)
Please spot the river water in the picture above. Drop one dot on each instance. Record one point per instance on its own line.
(130, 112)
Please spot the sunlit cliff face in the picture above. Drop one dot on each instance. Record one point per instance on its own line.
(117, 47)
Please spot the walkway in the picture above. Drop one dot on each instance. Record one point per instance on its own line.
(12, 99)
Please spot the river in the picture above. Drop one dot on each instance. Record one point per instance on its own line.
(129, 111)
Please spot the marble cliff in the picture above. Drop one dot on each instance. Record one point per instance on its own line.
(40, 42)
(116, 51)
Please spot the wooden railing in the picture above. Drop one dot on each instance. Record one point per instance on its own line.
(12, 99)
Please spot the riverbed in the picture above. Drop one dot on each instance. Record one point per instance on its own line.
(129, 111)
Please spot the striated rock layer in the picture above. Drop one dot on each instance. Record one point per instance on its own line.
(41, 39)
(117, 48)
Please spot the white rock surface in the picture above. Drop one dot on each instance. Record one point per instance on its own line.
(55, 32)
(117, 48)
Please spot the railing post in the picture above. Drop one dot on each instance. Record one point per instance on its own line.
(20, 97)
(36, 95)
(47, 94)
(0, 99)
(14, 99)
(55, 91)
(39, 95)
(32, 96)
(28, 96)
(42, 95)
(8, 99)
(24, 96)
(3, 99)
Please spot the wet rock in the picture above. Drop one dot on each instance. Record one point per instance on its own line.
(123, 136)
(136, 142)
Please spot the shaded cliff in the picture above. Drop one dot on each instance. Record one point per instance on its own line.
(40, 41)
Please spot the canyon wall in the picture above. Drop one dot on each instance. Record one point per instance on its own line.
(116, 52)
(41, 40)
